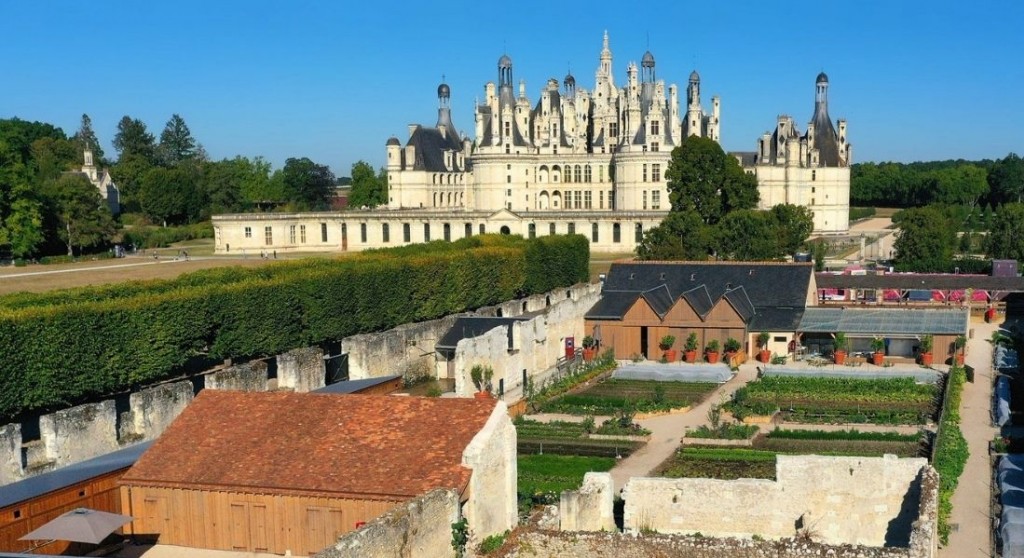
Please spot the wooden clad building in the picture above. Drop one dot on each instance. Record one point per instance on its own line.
(642, 302)
(280, 472)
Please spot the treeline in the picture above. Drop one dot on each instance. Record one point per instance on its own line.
(47, 206)
(938, 238)
(968, 183)
(62, 347)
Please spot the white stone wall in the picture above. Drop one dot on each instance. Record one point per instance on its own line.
(840, 500)
(10, 453)
(492, 506)
(153, 409)
(79, 433)
(420, 528)
(591, 508)
(824, 190)
(301, 370)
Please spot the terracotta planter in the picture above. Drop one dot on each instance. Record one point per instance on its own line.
(926, 359)
(670, 355)
(483, 395)
(840, 357)
(589, 354)
(691, 356)
(711, 356)
(765, 355)
(877, 358)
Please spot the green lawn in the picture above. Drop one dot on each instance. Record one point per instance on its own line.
(555, 473)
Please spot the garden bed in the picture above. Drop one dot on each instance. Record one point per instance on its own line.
(729, 459)
(614, 396)
(611, 439)
(542, 478)
(838, 400)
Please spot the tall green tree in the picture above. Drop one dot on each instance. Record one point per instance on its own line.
(748, 234)
(307, 184)
(926, 239)
(171, 196)
(703, 178)
(682, 235)
(959, 185)
(51, 157)
(132, 138)
(368, 189)
(85, 138)
(1006, 236)
(81, 216)
(1007, 179)
(793, 224)
(22, 226)
(176, 142)
(222, 182)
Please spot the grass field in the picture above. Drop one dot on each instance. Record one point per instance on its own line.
(555, 473)
(41, 278)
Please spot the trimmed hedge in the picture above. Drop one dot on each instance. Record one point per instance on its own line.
(150, 236)
(65, 346)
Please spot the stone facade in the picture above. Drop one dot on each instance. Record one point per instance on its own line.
(420, 528)
(491, 506)
(591, 507)
(836, 500)
(589, 162)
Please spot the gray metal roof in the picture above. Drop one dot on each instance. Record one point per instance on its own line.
(905, 281)
(468, 327)
(354, 386)
(883, 321)
(66, 476)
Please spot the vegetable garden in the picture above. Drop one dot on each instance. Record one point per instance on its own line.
(758, 461)
(572, 438)
(612, 396)
(838, 400)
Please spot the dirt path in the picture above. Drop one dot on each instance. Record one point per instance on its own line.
(666, 431)
(971, 518)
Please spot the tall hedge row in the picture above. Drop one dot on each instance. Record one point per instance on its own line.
(63, 347)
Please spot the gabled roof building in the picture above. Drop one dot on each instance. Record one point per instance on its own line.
(279, 471)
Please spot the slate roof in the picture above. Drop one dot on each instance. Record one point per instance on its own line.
(772, 296)
(355, 446)
(430, 148)
(919, 281)
(72, 474)
(660, 299)
(826, 140)
(468, 327)
(746, 158)
(355, 386)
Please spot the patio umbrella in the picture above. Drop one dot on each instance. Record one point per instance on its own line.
(80, 525)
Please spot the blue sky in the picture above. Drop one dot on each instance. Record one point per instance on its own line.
(917, 80)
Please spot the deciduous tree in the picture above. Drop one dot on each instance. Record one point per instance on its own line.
(793, 224)
(682, 235)
(1006, 237)
(368, 189)
(926, 239)
(703, 178)
(307, 184)
(82, 217)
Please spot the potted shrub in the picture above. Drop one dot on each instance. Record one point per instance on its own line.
(589, 348)
(666, 346)
(878, 348)
(926, 350)
(959, 348)
(691, 348)
(840, 348)
(711, 351)
(762, 342)
(481, 376)
(732, 346)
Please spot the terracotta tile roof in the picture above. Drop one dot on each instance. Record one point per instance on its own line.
(361, 446)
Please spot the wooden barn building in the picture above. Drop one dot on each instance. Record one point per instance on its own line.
(290, 472)
(642, 302)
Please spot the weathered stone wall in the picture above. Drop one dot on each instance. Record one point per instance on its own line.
(407, 350)
(491, 454)
(591, 507)
(250, 376)
(420, 528)
(10, 453)
(489, 349)
(301, 370)
(79, 433)
(838, 500)
(153, 409)
(549, 544)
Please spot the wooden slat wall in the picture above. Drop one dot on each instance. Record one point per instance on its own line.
(224, 520)
(99, 493)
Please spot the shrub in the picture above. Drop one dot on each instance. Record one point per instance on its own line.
(118, 336)
(667, 342)
(712, 346)
(950, 453)
(691, 342)
(731, 345)
(492, 543)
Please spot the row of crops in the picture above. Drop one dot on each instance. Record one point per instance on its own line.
(613, 396)
(574, 438)
(839, 400)
(758, 461)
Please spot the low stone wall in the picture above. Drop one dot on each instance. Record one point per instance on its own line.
(301, 370)
(591, 507)
(836, 500)
(153, 409)
(420, 528)
(548, 544)
(407, 350)
(10, 453)
(250, 376)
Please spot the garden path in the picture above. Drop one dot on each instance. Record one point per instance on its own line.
(667, 430)
(971, 502)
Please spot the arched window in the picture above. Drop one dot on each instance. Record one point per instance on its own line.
(586, 174)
